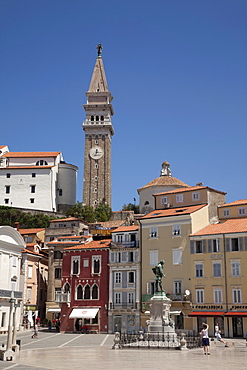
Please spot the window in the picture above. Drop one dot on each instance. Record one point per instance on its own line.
(177, 256)
(7, 189)
(131, 256)
(6, 201)
(33, 174)
(118, 298)
(176, 230)
(95, 292)
(199, 270)
(164, 200)
(131, 277)
(87, 292)
(178, 287)
(30, 272)
(199, 295)
(151, 287)
(29, 293)
(96, 264)
(199, 246)
(14, 261)
(217, 269)
(60, 192)
(118, 277)
(153, 256)
(32, 188)
(58, 272)
(102, 118)
(153, 232)
(41, 163)
(235, 268)
(75, 265)
(92, 118)
(179, 198)
(214, 245)
(195, 196)
(96, 178)
(8, 175)
(66, 288)
(217, 295)
(31, 200)
(79, 292)
(58, 255)
(242, 211)
(236, 295)
(117, 257)
(226, 212)
(85, 263)
(119, 238)
(131, 297)
(96, 166)
(235, 244)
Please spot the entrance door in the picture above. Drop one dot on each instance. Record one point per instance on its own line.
(237, 324)
(117, 323)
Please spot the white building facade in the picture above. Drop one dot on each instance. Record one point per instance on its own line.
(36, 180)
(11, 280)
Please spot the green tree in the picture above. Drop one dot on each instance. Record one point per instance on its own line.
(85, 213)
(103, 212)
(131, 207)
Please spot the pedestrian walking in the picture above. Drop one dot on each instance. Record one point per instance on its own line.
(205, 338)
(218, 335)
(35, 334)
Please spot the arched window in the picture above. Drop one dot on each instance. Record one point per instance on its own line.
(102, 118)
(95, 292)
(42, 162)
(79, 292)
(97, 118)
(87, 292)
(66, 288)
(92, 118)
(96, 266)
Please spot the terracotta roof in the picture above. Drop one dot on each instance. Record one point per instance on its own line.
(30, 154)
(30, 231)
(190, 188)
(235, 203)
(237, 225)
(2, 146)
(94, 244)
(34, 253)
(28, 167)
(164, 181)
(126, 228)
(67, 219)
(173, 211)
(74, 237)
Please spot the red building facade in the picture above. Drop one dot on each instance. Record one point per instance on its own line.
(85, 288)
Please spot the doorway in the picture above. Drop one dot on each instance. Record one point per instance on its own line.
(237, 325)
(117, 323)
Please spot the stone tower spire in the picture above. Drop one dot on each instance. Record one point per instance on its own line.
(98, 133)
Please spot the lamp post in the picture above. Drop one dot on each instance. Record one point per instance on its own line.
(9, 337)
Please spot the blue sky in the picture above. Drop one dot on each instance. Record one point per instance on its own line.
(176, 69)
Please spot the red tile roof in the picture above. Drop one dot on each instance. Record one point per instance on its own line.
(67, 219)
(108, 224)
(28, 167)
(126, 228)
(191, 188)
(164, 181)
(30, 231)
(94, 244)
(173, 211)
(237, 225)
(30, 154)
(235, 203)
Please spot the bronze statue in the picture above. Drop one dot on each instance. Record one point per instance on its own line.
(99, 47)
(158, 271)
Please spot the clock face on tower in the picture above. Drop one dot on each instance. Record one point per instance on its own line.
(96, 152)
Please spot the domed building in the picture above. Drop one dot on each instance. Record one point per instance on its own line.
(161, 184)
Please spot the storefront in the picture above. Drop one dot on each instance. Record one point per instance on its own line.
(85, 319)
(237, 323)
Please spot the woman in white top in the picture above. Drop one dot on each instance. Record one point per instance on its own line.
(205, 338)
(218, 335)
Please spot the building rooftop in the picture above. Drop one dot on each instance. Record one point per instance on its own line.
(126, 228)
(189, 188)
(237, 225)
(94, 244)
(30, 154)
(235, 203)
(173, 211)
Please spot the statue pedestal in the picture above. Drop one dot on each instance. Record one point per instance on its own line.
(160, 321)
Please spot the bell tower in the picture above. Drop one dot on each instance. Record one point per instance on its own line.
(98, 133)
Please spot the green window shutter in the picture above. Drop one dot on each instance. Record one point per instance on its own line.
(227, 244)
(240, 243)
(245, 242)
(204, 246)
(192, 249)
(210, 246)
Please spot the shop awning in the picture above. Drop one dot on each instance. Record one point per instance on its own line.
(83, 313)
(54, 310)
(206, 313)
(236, 313)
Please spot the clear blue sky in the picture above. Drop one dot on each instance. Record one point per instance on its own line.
(176, 69)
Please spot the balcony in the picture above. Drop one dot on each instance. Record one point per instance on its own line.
(124, 305)
(61, 297)
(7, 294)
(134, 244)
(172, 297)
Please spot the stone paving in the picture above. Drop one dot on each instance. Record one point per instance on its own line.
(94, 351)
